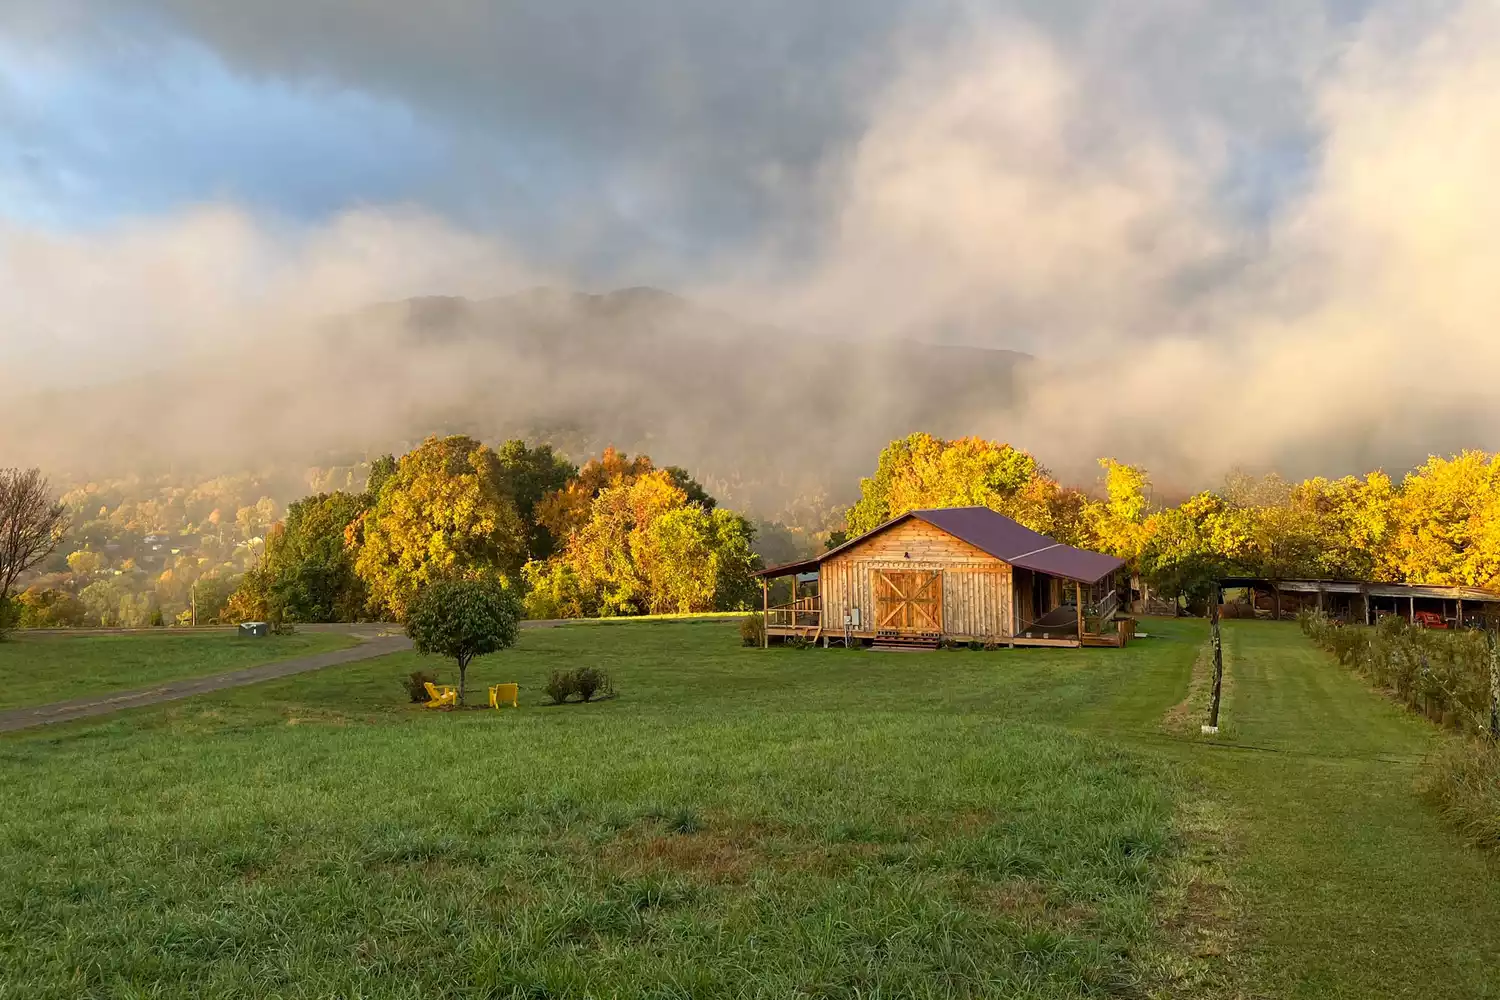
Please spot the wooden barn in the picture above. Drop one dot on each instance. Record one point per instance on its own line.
(960, 573)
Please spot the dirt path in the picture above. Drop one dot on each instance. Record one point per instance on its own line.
(374, 640)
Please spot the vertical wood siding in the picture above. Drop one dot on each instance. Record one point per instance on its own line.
(976, 586)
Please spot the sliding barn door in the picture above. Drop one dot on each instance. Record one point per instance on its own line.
(908, 600)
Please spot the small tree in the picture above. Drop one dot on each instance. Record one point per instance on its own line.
(463, 619)
(31, 525)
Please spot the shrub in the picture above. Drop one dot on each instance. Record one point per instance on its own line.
(797, 642)
(975, 645)
(753, 630)
(1464, 783)
(1441, 674)
(586, 680)
(561, 685)
(416, 685)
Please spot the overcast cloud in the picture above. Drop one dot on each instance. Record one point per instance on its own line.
(1236, 234)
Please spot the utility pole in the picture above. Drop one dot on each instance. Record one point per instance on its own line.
(1218, 647)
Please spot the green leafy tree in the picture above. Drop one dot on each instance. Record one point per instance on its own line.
(39, 608)
(462, 619)
(530, 475)
(691, 488)
(553, 590)
(311, 566)
(381, 469)
(446, 513)
(101, 601)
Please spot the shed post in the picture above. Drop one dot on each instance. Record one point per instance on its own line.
(765, 613)
(1412, 613)
(1078, 590)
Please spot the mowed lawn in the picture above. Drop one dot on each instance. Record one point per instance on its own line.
(36, 669)
(736, 823)
(1353, 887)
(747, 823)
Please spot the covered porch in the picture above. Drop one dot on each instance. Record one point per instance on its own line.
(1045, 610)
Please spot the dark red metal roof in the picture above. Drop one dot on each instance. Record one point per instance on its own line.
(1019, 545)
(984, 529)
(994, 534)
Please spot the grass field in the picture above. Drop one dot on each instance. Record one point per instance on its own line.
(38, 669)
(748, 823)
(1355, 887)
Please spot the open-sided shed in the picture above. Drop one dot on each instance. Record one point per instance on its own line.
(964, 573)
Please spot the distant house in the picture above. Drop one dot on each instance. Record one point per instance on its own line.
(961, 573)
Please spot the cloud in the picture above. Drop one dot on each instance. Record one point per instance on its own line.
(1361, 331)
(83, 306)
(1235, 234)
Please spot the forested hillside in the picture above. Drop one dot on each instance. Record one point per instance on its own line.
(619, 534)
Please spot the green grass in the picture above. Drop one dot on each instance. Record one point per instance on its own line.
(38, 669)
(749, 823)
(1353, 886)
(735, 823)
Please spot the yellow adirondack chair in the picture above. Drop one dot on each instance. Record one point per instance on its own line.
(442, 697)
(505, 694)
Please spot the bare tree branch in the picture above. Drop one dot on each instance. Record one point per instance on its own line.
(31, 524)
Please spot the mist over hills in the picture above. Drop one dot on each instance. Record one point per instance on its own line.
(760, 413)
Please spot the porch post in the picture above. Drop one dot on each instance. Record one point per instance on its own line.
(765, 613)
(1078, 591)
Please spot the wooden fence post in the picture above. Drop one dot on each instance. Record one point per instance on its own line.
(1494, 685)
(765, 613)
(1218, 648)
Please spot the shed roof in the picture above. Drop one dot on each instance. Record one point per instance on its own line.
(994, 534)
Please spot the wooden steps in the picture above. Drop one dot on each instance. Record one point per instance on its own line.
(906, 642)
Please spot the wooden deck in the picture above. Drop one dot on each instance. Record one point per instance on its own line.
(1111, 640)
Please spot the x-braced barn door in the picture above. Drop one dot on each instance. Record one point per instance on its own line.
(909, 600)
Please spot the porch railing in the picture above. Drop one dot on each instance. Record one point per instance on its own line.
(804, 612)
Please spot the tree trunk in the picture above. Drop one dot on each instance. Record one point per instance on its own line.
(463, 669)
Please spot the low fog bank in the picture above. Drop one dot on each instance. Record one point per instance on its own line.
(764, 414)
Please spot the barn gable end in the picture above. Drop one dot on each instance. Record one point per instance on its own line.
(976, 586)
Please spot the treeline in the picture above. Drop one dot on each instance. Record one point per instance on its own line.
(618, 536)
(1440, 524)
